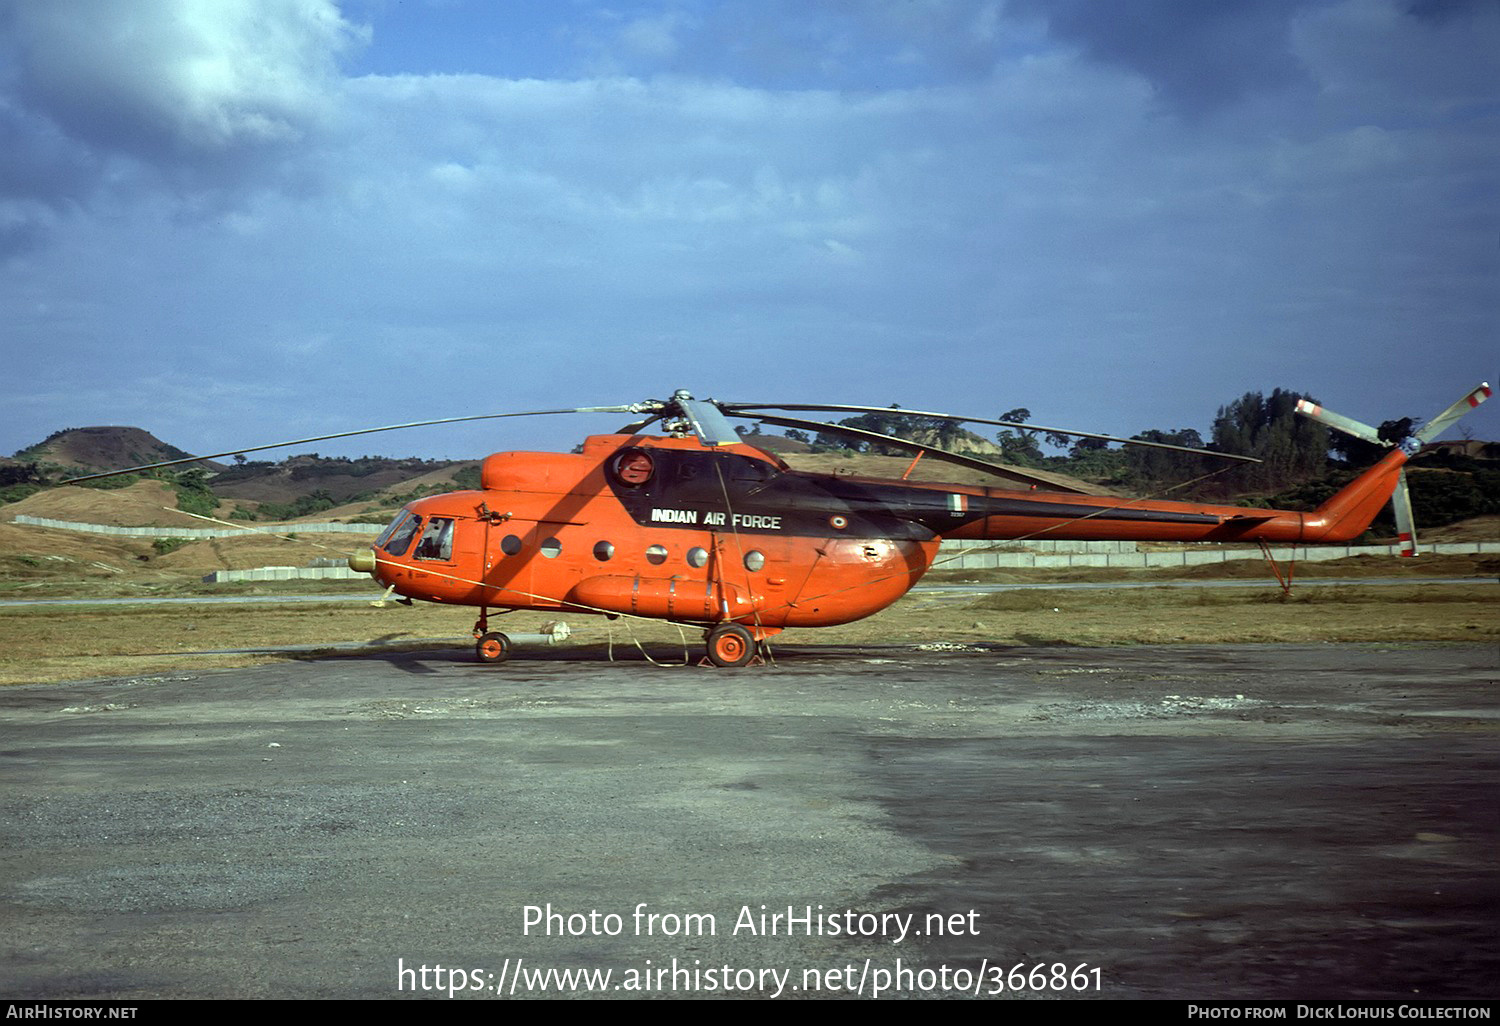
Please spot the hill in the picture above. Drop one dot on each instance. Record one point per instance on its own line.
(302, 485)
(141, 504)
(339, 480)
(93, 449)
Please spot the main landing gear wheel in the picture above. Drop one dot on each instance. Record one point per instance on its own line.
(729, 644)
(493, 647)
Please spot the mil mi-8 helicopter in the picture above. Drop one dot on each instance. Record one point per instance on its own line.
(696, 526)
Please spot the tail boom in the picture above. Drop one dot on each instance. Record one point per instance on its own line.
(1345, 516)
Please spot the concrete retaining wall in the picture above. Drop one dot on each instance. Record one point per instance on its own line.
(202, 532)
(963, 555)
(287, 573)
(1039, 545)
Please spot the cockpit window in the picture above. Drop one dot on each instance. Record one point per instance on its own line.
(390, 529)
(401, 533)
(437, 540)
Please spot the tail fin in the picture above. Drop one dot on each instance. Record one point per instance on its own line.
(1347, 514)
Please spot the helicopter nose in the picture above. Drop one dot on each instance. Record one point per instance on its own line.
(363, 561)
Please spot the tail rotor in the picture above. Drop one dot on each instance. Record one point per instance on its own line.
(1401, 500)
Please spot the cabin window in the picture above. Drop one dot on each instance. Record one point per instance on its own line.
(437, 540)
(755, 559)
(656, 555)
(401, 536)
(633, 467)
(510, 545)
(551, 548)
(696, 556)
(604, 551)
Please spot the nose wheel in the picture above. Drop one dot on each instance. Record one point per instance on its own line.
(492, 647)
(729, 644)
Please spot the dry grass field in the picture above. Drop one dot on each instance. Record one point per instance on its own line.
(56, 643)
(40, 643)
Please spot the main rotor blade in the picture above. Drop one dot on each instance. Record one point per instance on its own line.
(345, 434)
(1009, 473)
(830, 408)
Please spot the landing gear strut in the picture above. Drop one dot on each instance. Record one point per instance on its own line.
(489, 646)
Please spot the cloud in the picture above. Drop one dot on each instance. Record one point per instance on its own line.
(1202, 58)
(853, 194)
(1376, 60)
(1199, 56)
(802, 44)
(111, 95)
(655, 38)
(171, 79)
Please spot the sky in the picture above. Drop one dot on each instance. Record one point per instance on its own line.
(232, 222)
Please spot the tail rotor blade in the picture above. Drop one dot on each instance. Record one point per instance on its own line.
(1406, 530)
(1437, 425)
(1339, 422)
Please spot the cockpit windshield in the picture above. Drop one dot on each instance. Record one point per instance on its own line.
(390, 529)
(397, 538)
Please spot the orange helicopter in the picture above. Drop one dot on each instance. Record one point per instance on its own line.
(698, 527)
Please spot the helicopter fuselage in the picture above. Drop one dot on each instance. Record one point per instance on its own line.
(671, 528)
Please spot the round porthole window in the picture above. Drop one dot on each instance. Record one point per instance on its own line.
(656, 555)
(755, 559)
(604, 552)
(697, 556)
(510, 545)
(551, 548)
(634, 467)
